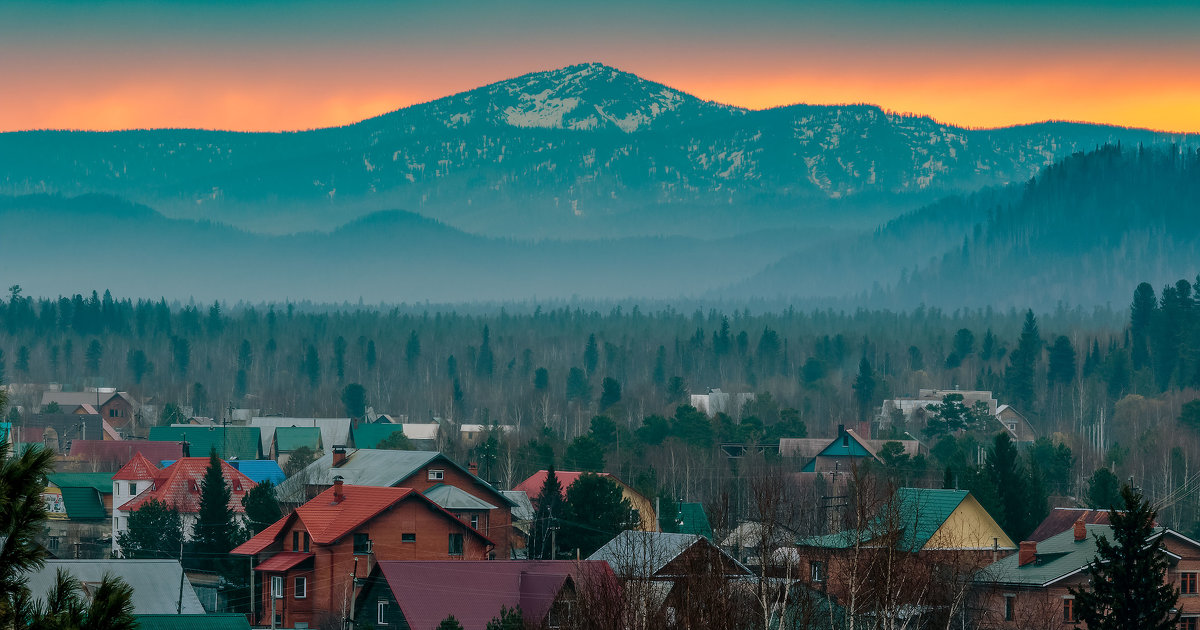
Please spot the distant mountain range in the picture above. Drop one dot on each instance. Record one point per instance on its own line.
(582, 152)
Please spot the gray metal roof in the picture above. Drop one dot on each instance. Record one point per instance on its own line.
(644, 554)
(363, 467)
(155, 582)
(523, 508)
(333, 430)
(452, 498)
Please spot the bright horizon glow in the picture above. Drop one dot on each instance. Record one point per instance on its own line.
(248, 66)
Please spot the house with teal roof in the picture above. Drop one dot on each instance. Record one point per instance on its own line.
(841, 454)
(287, 439)
(79, 514)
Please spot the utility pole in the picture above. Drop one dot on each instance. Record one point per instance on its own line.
(553, 537)
(179, 606)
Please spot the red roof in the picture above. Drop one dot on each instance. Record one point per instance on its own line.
(326, 522)
(474, 590)
(282, 561)
(533, 485)
(179, 485)
(118, 452)
(1061, 519)
(139, 468)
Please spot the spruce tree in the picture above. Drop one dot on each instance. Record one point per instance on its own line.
(1127, 587)
(262, 508)
(547, 508)
(214, 532)
(864, 387)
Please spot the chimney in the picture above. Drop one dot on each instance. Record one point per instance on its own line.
(473, 468)
(185, 449)
(339, 455)
(1080, 530)
(1028, 553)
(338, 495)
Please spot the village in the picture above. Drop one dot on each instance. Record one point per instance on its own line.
(369, 523)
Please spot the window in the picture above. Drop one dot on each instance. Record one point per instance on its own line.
(436, 475)
(306, 541)
(409, 537)
(1187, 583)
(381, 613)
(362, 543)
(1189, 623)
(1008, 607)
(52, 544)
(1069, 610)
(133, 487)
(295, 541)
(474, 521)
(456, 544)
(301, 588)
(277, 586)
(817, 571)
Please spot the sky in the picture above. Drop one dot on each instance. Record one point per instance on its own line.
(279, 65)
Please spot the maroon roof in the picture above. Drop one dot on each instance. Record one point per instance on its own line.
(115, 453)
(1062, 519)
(474, 591)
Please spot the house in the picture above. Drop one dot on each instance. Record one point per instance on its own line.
(717, 401)
(57, 431)
(422, 436)
(471, 435)
(1034, 584)
(78, 509)
(419, 595)
(371, 435)
(111, 455)
(311, 560)
(1015, 423)
(177, 485)
(917, 521)
(665, 572)
(645, 509)
(522, 521)
(423, 471)
(159, 587)
(334, 431)
(746, 540)
(212, 621)
(842, 453)
(288, 439)
(915, 410)
(118, 408)
(228, 441)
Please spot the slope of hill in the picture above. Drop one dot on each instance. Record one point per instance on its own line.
(581, 152)
(1080, 233)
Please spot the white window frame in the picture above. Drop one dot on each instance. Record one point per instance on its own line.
(300, 587)
(475, 521)
(380, 611)
(437, 474)
(277, 586)
(817, 571)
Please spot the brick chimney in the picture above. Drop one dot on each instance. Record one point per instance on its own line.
(338, 495)
(1028, 553)
(473, 468)
(1080, 530)
(339, 455)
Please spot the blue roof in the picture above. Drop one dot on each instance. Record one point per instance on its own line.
(260, 470)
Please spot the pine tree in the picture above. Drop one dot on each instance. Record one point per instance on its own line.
(1127, 586)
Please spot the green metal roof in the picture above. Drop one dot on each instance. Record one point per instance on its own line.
(693, 520)
(83, 504)
(917, 512)
(288, 439)
(229, 442)
(370, 435)
(100, 481)
(216, 621)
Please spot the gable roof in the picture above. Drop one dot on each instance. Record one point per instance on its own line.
(288, 439)
(453, 498)
(370, 435)
(98, 481)
(156, 583)
(646, 554)
(693, 520)
(566, 478)
(334, 431)
(917, 513)
(139, 468)
(327, 522)
(179, 485)
(84, 504)
(69, 401)
(228, 441)
(522, 509)
(475, 590)
(115, 453)
(1061, 519)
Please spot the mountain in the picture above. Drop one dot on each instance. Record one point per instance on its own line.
(52, 245)
(582, 152)
(1080, 233)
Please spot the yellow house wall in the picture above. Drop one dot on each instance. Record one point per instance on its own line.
(644, 507)
(969, 527)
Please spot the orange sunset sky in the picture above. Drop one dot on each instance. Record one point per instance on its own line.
(274, 65)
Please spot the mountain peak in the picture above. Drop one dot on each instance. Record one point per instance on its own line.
(583, 97)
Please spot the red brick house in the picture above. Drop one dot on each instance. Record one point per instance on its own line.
(1032, 588)
(310, 558)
